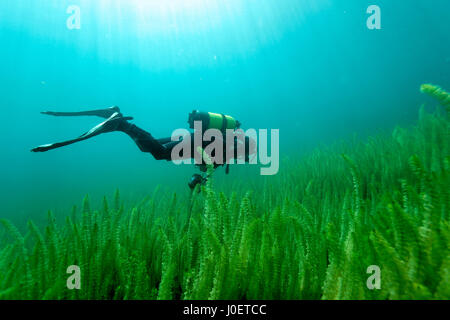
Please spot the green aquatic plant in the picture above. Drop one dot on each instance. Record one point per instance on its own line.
(438, 93)
(309, 233)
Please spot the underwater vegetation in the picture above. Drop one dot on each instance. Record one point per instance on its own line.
(438, 93)
(311, 234)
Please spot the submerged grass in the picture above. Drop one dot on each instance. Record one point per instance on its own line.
(310, 235)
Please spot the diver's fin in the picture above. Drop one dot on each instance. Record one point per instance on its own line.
(55, 145)
(109, 125)
(103, 113)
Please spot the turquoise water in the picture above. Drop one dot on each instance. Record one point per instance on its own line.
(311, 69)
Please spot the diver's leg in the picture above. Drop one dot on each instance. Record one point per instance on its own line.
(165, 140)
(159, 148)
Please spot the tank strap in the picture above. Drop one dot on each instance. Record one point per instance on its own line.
(224, 123)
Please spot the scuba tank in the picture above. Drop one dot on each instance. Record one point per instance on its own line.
(212, 120)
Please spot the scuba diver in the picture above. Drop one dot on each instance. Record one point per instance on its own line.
(160, 149)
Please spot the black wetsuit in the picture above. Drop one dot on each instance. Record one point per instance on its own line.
(161, 149)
